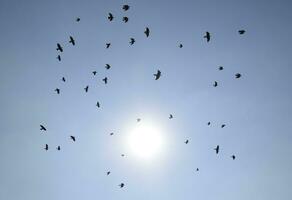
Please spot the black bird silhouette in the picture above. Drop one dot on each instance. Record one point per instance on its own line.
(215, 84)
(170, 116)
(197, 169)
(125, 19)
(94, 73)
(108, 173)
(59, 57)
(147, 32)
(107, 66)
(72, 40)
(111, 133)
(180, 46)
(241, 32)
(207, 36)
(97, 104)
(86, 88)
(42, 128)
(220, 68)
(217, 149)
(223, 125)
(77, 19)
(47, 147)
(58, 148)
(138, 120)
(73, 138)
(108, 45)
(59, 47)
(126, 7)
(63, 79)
(123, 155)
(237, 75)
(233, 157)
(187, 141)
(208, 123)
(122, 185)
(132, 41)
(157, 75)
(104, 80)
(57, 90)
(110, 16)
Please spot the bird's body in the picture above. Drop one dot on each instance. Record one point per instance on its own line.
(42, 128)
(125, 19)
(207, 36)
(98, 104)
(126, 7)
(108, 45)
(157, 75)
(220, 68)
(63, 79)
(77, 19)
(86, 88)
(180, 46)
(223, 125)
(94, 73)
(132, 41)
(73, 138)
(147, 32)
(107, 66)
(170, 116)
(104, 80)
(197, 169)
(47, 147)
(238, 75)
(187, 141)
(241, 32)
(138, 120)
(57, 90)
(217, 149)
(233, 157)
(111, 133)
(59, 47)
(72, 41)
(215, 84)
(108, 173)
(59, 57)
(208, 123)
(110, 17)
(122, 185)
(58, 148)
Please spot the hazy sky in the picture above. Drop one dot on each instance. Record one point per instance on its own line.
(256, 108)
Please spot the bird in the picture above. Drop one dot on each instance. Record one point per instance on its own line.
(94, 73)
(42, 128)
(59, 57)
(132, 41)
(208, 123)
(111, 133)
(73, 138)
(138, 120)
(110, 16)
(187, 141)
(125, 19)
(207, 36)
(220, 68)
(57, 90)
(241, 32)
(217, 149)
(223, 125)
(59, 47)
(233, 157)
(123, 155)
(47, 147)
(180, 46)
(63, 79)
(197, 169)
(72, 40)
(107, 66)
(157, 75)
(238, 75)
(97, 104)
(104, 80)
(108, 173)
(77, 19)
(108, 45)
(147, 32)
(122, 185)
(58, 148)
(86, 88)
(126, 7)
(170, 116)
(215, 84)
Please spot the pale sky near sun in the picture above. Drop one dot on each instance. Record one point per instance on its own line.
(256, 108)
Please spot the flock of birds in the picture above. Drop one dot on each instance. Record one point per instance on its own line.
(157, 76)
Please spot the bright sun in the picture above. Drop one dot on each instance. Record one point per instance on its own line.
(145, 141)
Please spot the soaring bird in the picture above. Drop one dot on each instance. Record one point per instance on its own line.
(126, 7)
(47, 147)
(108, 45)
(241, 32)
(138, 120)
(110, 17)
(170, 116)
(97, 104)
(73, 138)
(59, 57)
(237, 75)
(42, 128)
(217, 149)
(132, 41)
(77, 19)
(157, 75)
(122, 185)
(86, 88)
(57, 90)
(187, 141)
(94, 73)
(147, 32)
(104, 80)
(233, 157)
(125, 19)
(108, 173)
(207, 36)
(59, 47)
(180, 46)
(215, 84)
(58, 148)
(220, 68)
(63, 79)
(107, 66)
(208, 123)
(223, 125)
(72, 40)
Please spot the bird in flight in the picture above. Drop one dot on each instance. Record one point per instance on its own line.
(187, 141)
(73, 138)
(215, 84)
(108, 45)
(217, 149)
(108, 173)
(138, 120)
(72, 40)
(122, 185)
(107, 66)
(97, 104)
(157, 75)
(94, 73)
(220, 68)
(58, 148)
(47, 147)
(170, 116)
(57, 90)
(241, 32)
(63, 79)
(125, 19)
(197, 169)
(147, 32)
(77, 19)
(132, 41)
(104, 80)
(180, 46)
(59, 57)
(111, 133)
(233, 157)
(208, 123)
(59, 47)
(42, 128)
(223, 125)
(126, 7)
(237, 75)
(86, 88)
(123, 155)
(110, 16)
(207, 36)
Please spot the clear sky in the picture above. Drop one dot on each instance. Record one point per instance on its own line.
(256, 108)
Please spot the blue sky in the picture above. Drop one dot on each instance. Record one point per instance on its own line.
(256, 108)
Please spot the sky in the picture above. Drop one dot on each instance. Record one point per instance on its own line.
(256, 108)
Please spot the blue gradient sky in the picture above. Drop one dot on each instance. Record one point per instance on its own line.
(256, 108)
